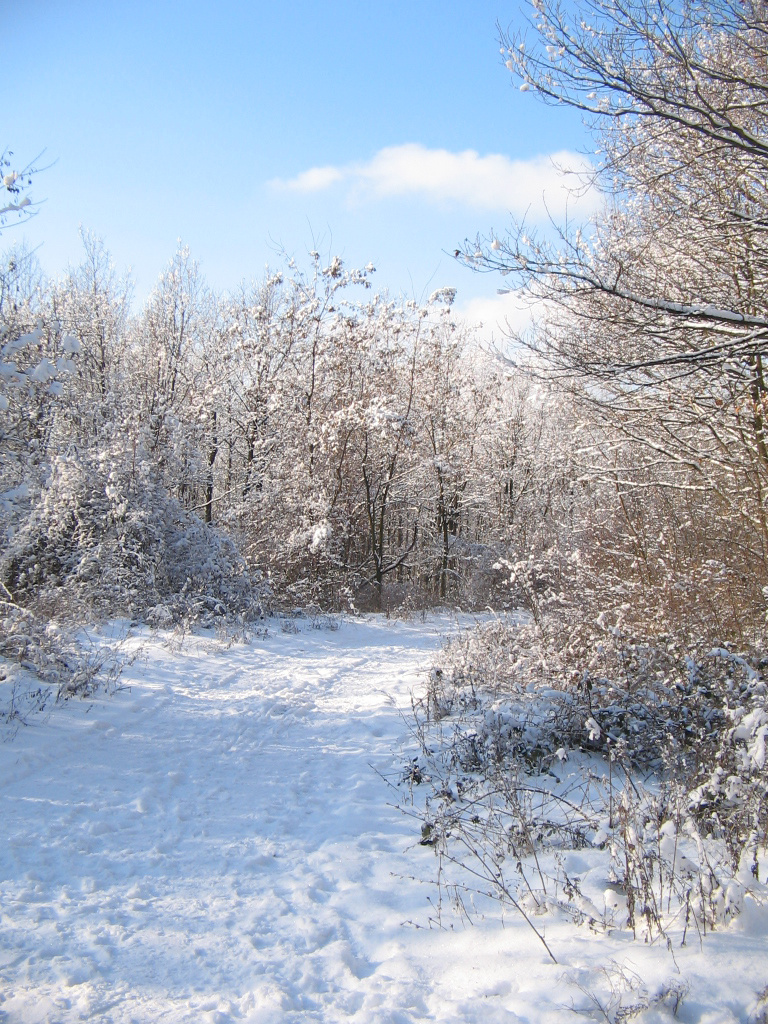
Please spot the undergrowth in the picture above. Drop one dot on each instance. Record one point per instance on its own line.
(639, 752)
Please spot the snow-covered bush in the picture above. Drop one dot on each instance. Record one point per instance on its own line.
(105, 537)
(529, 747)
(43, 662)
(731, 798)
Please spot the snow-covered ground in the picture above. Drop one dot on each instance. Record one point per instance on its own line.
(214, 842)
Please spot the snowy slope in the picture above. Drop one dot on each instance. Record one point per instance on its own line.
(213, 843)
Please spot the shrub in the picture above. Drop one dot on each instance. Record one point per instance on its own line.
(106, 536)
(656, 754)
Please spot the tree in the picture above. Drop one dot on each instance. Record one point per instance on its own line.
(15, 202)
(171, 380)
(697, 67)
(678, 97)
(383, 378)
(92, 302)
(655, 314)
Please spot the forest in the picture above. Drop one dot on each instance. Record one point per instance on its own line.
(305, 441)
(356, 451)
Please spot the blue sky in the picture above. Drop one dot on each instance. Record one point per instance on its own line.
(384, 133)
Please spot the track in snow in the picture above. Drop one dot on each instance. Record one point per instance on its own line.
(213, 843)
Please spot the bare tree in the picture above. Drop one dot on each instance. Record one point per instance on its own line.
(654, 314)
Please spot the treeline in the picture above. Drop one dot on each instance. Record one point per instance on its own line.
(352, 450)
(310, 439)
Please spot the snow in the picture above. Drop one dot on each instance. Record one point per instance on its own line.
(321, 534)
(217, 842)
(44, 371)
(70, 344)
(14, 207)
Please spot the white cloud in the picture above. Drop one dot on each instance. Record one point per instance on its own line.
(537, 187)
(314, 180)
(494, 317)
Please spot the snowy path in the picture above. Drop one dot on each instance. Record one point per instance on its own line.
(212, 844)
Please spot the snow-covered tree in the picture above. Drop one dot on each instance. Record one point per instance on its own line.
(654, 313)
(93, 302)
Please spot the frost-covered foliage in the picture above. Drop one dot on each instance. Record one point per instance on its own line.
(44, 661)
(106, 537)
(359, 450)
(299, 437)
(652, 753)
